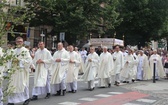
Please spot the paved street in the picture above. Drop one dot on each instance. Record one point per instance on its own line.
(139, 93)
(159, 90)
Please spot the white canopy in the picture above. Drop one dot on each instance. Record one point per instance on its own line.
(109, 42)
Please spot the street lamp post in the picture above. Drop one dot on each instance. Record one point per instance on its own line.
(99, 36)
(54, 39)
(90, 38)
(42, 36)
(123, 40)
(114, 38)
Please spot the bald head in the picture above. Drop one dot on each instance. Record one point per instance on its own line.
(141, 52)
(76, 48)
(154, 51)
(60, 46)
(105, 49)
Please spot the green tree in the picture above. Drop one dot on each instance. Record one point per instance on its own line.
(143, 20)
(10, 16)
(77, 18)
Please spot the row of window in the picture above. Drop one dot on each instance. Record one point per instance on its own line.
(14, 2)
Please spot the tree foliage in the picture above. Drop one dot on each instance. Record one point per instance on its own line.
(10, 16)
(76, 17)
(143, 20)
(139, 20)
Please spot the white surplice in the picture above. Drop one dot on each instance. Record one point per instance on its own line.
(106, 69)
(118, 64)
(73, 69)
(143, 71)
(126, 73)
(20, 78)
(72, 73)
(59, 69)
(81, 65)
(91, 69)
(41, 78)
(135, 66)
(159, 71)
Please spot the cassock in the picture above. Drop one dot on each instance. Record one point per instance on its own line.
(159, 71)
(118, 64)
(105, 69)
(143, 72)
(59, 71)
(20, 78)
(91, 69)
(41, 78)
(81, 65)
(72, 73)
(126, 73)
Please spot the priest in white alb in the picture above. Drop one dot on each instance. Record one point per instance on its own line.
(91, 68)
(118, 59)
(159, 71)
(42, 61)
(59, 70)
(143, 71)
(126, 73)
(72, 73)
(19, 81)
(81, 66)
(135, 65)
(106, 68)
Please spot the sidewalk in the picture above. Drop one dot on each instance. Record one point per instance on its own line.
(158, 89)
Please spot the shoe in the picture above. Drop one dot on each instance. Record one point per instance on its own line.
(109, 85)
(124, 82)
(10, 104)
(127, 81)
(47, 96)
(26, 102)
(34, 98)
(91, 89)
(74, 91)
(58, 93)
(70, 91)
(64, 92)
(133, 80)
(115, 83)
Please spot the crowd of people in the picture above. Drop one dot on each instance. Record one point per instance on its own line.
(57, 72)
